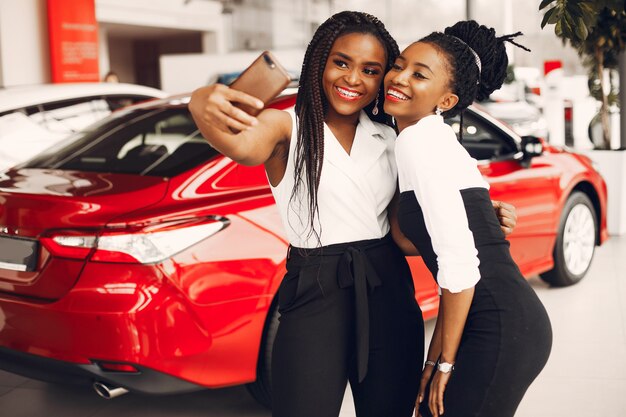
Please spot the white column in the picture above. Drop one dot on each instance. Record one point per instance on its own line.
(508, 28)
(213, 43)
(469, 9)
(622, 99)
(554, 109)
(104, 62)
(24, 46)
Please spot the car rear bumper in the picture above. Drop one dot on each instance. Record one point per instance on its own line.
(145, 381)
(139, 319)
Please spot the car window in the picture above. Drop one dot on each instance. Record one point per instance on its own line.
(117, 102)
(21, 139)
(144, 142)
(482, 140)
(68, 118)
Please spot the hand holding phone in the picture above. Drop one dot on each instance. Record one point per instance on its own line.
(264, 79)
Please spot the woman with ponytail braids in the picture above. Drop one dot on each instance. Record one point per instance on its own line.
(348, 311)
(493, 335)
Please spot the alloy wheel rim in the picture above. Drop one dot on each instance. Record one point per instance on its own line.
(579, 239)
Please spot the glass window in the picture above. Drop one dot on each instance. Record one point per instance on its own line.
(144, 142)
(481, 139)
(21, 139)
(71, 117)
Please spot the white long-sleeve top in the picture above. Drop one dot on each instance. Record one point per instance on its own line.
(435, 166)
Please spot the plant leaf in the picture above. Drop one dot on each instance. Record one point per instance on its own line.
(581, 29)
(574, 10)
(547, 16)
(568, 27)
(555, 17)
(568, 32)
(589, 14)
(544, 3)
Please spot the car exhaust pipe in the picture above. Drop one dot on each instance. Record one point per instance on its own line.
(107, 392)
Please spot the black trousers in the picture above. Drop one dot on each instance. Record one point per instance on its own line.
(348, 313)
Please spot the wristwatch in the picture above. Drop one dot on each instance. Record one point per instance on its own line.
(445, 367)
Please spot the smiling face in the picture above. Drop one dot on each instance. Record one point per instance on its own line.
(353, 74)
(417, 84)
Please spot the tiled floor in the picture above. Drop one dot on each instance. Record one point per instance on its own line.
(585, 377)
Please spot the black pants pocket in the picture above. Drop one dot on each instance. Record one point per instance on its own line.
(288, 290)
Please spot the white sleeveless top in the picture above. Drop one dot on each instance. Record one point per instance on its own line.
(354, 192)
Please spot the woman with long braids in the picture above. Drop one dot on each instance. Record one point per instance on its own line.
(493, 335)
(347, 305)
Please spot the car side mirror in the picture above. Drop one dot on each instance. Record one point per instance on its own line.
(531, 147)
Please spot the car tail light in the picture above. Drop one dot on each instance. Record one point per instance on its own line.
(145, 245)
(70, 244)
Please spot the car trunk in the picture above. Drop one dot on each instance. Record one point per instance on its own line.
(36, 202)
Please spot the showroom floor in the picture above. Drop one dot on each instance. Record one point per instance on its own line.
(586, 374)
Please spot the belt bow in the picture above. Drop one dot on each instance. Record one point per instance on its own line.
(355, 270)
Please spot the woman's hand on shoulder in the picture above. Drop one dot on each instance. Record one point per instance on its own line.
(215, 105)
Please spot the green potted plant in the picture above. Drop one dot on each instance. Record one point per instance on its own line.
(597, 30)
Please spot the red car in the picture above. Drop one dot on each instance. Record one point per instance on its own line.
(134, 255)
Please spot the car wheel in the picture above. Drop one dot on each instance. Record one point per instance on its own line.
(575, 242)
(261, 389)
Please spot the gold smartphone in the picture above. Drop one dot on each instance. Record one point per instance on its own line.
(264, 79)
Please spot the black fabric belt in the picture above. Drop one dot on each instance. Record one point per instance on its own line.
(354, 269)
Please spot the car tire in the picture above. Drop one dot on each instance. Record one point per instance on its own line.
(575, 243)
(261, 389)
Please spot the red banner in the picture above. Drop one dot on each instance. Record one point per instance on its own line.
(73, 33)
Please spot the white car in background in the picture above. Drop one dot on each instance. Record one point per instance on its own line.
(524, 118)
(516, 105)
(33, 118)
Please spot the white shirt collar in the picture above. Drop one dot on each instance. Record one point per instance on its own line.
(370, 127)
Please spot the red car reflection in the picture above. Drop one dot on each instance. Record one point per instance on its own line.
(135, 256)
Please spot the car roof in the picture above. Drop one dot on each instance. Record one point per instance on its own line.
(31, 95)
(178, 100)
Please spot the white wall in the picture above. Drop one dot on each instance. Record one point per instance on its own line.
(24, 57)
(24, 44)
(295, 21)
(198, 15)
(184, 73)
(409, 20)
(175, 14)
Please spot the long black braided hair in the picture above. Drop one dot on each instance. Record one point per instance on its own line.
(466, 80)
(312, 104)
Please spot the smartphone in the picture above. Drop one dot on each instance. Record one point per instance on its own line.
(264, 79)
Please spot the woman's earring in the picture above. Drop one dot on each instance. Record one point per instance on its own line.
(438, 111)
(375, 109)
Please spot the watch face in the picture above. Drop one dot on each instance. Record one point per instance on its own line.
(445, 367)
